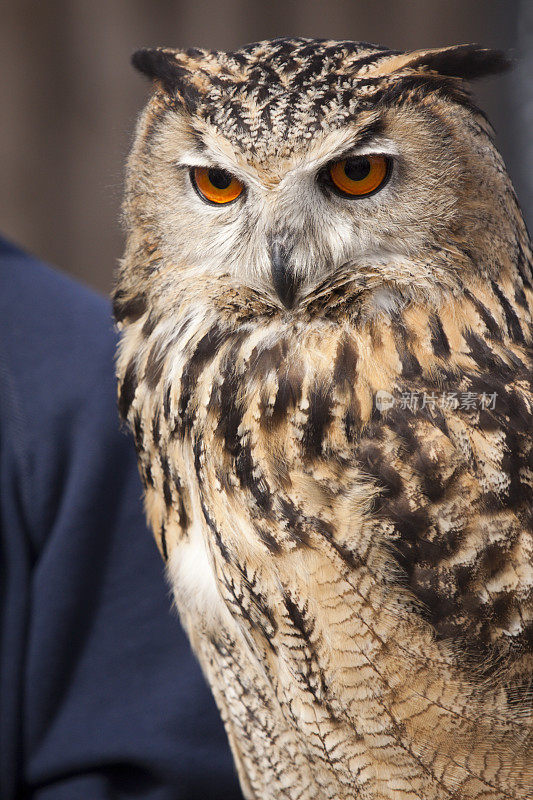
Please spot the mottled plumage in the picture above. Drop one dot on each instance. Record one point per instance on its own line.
(355, 576)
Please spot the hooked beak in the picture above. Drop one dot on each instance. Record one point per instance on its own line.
(283, 277)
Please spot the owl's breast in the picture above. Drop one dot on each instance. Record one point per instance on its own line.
(272, 426)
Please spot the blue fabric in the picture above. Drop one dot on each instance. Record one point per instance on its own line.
(100, 696)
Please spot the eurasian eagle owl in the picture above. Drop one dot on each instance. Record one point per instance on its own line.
(325, 303)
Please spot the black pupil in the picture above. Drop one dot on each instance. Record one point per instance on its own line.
(357, 169)
(219, 178)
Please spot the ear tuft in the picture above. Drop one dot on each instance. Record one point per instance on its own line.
(165, 70)
(467, 61)
(158, 65)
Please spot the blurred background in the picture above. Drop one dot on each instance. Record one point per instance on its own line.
(69, 97)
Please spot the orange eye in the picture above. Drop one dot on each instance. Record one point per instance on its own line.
(216, 185)
(361, 175)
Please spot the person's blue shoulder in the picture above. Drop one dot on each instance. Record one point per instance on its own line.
(57, 385)
(52, 328)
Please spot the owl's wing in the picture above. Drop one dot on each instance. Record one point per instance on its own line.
(455, 507)
(420, 600)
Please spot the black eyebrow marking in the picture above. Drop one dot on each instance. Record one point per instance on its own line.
(362, 137)
(368, 132)
(198, 141)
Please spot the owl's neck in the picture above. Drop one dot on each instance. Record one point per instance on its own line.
(280, 361)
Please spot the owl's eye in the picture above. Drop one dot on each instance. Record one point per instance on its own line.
(216, 185)
(360, 176)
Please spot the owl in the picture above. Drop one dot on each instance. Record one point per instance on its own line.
(325, 303)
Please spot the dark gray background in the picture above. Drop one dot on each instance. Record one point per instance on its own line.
(69, 98)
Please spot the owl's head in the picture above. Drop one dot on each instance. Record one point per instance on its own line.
(291, 168)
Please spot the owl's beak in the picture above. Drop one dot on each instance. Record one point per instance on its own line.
(283, 276)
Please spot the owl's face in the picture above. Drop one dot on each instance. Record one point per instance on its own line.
(264, 174)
